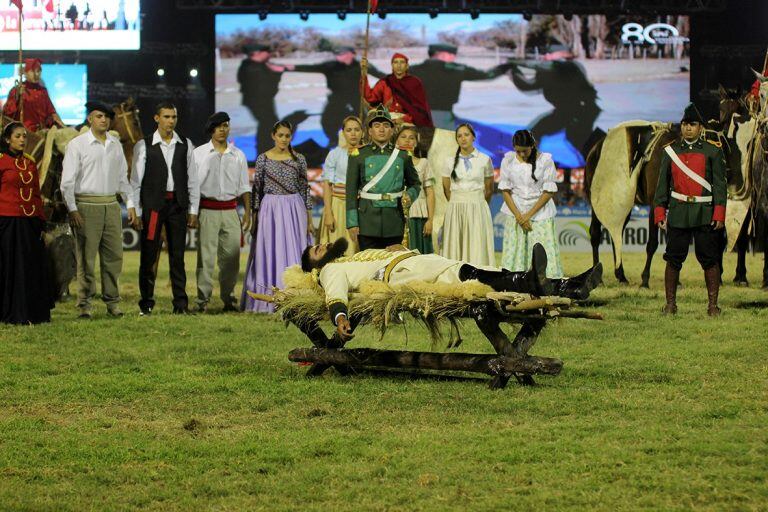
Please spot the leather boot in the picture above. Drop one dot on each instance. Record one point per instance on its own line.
(533, 281)
(671, 277)
(578, 287)
(712, 278)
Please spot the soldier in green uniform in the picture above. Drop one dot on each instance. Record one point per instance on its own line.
(442, 78)
(378, 175)
(690, 203)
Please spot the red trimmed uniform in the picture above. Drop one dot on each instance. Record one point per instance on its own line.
(38, 108)
(26, 291)
(687, 204)
(19, 188)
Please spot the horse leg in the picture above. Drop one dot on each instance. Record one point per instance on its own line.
(765, 259)
(619, 272)
(742, 245)
(650, 250)
(595, 234)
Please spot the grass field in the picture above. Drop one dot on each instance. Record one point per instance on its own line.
(206, 413)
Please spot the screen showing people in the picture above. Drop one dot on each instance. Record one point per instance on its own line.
(67, 86)
(72, 25)
(561, 78)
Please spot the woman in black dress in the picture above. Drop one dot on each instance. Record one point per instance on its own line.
(25, 289)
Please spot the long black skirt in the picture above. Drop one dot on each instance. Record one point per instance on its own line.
(25, 286)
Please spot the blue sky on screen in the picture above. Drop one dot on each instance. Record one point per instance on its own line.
(227, 24)
(67, 86)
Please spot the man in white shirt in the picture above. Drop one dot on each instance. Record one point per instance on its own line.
(166, 191)
(223, 174)
(95, 171)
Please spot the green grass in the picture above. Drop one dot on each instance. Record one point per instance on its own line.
(206, 413)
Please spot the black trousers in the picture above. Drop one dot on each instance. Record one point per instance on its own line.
(377, 242)
(174, 218)
(708, 245)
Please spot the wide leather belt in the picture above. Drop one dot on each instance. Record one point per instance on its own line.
(381, 197)
(691, 199)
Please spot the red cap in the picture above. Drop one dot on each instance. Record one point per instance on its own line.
(30, 64)
(399, 56)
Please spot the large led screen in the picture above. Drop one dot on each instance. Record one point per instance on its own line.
(71, 25)
(562, 77)
(67, 86)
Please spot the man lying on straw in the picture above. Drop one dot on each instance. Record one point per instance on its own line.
(397, 265)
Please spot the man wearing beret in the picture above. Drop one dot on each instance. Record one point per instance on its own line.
(223, 177)
(377, 175)
(94, 172)
(38, 110)
(690, 204)
(342, 75)
(259, 81)
(442, 78)
(399, 92)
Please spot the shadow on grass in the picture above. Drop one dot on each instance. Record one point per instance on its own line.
(419, 375)
(592, 303)
(752, 304)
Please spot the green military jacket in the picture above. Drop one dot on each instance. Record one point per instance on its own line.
(705, 159)
(379, 218)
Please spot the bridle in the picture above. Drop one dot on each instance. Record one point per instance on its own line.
(125, 115)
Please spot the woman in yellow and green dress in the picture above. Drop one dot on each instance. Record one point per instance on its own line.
(334, 221)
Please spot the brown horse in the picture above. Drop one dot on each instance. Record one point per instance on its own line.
(128, 125)
(639, 139)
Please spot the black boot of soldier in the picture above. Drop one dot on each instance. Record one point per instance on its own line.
(578, 287)
(533, 281)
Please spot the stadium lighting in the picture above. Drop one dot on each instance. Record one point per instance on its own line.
(342, 14)
(193, 73)
(160, 72)
(304, 15)
(263, 15)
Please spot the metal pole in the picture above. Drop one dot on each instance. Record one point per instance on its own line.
(364, 76)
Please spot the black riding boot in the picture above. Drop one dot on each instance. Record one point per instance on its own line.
(533, 281)
(578, 287)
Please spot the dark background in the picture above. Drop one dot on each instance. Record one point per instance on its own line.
(728, 37)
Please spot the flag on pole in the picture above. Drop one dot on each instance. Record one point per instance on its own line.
(17, 3)
(374, 5)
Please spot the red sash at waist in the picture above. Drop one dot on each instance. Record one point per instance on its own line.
(213, 204)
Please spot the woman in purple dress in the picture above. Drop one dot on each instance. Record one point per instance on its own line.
(282, 213)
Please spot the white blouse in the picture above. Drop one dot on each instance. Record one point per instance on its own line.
(516, 177)
(419, 207)
(472, 178)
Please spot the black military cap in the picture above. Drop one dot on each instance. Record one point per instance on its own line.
(441, 47)
(343, 49)
(215, 120)
(101, 107)
(256, 47)
(691, 115)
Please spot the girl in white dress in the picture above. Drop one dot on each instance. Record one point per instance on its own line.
(468, 186)
(528, 184)
(422, 211)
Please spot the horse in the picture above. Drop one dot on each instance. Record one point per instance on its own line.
(644, 147)
(645, 143)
